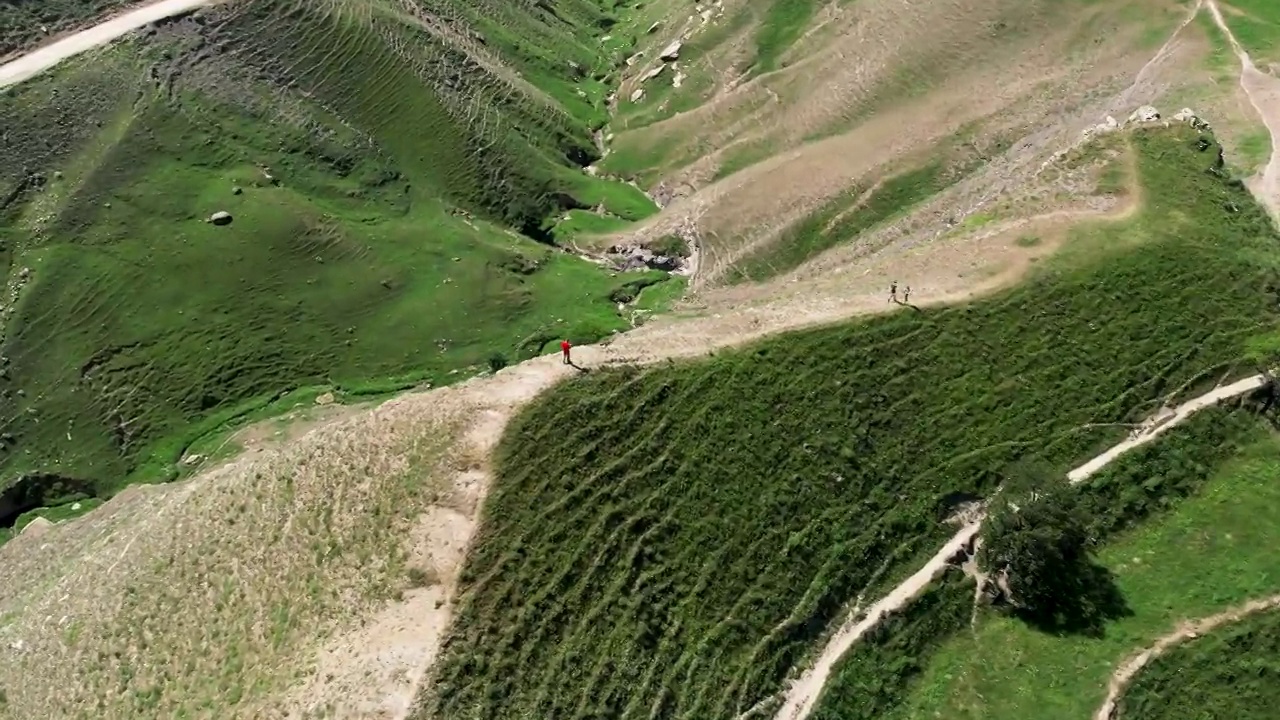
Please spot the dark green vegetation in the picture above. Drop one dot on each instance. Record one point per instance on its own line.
(853, 212)
(1233, 672)
(873, 674)
(669, 542)
(390, 169)
(1152, 485)
(24, 22)
(1038, 543)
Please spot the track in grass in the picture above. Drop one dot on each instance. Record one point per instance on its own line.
(671, 541)
(1227, 662)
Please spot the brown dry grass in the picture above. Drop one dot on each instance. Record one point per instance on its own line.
(884, 82)
(204, 594)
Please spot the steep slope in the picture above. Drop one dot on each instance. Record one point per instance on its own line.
(671, 541)
(388, 168)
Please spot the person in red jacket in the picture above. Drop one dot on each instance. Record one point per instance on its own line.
(564, 350)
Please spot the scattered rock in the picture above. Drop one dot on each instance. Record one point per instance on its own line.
(1146, 113)
(651, 74)
(636, 257)
(678, 80)
(193, 459)
(653, 28)
(1187, 115)
(671, 52)
(35, 527)
(237, 190)
(637, 95)
(325, 399)
(222, 217)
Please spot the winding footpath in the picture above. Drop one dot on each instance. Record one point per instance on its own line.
(37, 61)
(1263, 91)
(803, 694)
(1130, 668)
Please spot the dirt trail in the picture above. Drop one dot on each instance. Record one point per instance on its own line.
(1263, 91)
(802, 696)
(1130, 668)
(1183, 412)
(39, 60)
(804, 693)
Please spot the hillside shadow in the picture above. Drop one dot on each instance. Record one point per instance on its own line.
(1087, 599)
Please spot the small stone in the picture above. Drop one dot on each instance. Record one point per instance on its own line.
(325, 399)
(638, 95)
(222, 217)
(651, 74)
(237, 190)
(672, 51)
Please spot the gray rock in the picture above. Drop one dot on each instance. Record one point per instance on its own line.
(221, 217)
(1146, 113)
(672, 51)
(37, 526)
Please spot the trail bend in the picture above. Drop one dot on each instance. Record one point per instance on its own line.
(802, 696)
(1129, 669)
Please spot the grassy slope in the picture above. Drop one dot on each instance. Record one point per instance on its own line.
(1256, 26)
(657, 545)
(21, 21)
(1210, 554)
(1230, 673)
(854, 212)
(142, 327)
(894, 674)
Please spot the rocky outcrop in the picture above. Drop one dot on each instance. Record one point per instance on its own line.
(636, 257)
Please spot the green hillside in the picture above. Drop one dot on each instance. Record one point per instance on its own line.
(1232, 670)
(24, 23)
(394, 172)
(670, 541)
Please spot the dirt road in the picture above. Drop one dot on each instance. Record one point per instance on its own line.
(804, 693)
(1130, 668)
(1263, 91)
(37, 61)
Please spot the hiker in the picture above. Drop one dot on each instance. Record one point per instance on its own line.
(564, 350)
(906, 295)
(893, 291)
